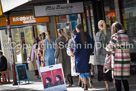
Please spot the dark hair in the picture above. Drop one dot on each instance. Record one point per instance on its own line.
(82, 33)
(49, 32)
(74, 32)
(1, 53)
(37, 41)
(116, 27)
(44, 35)
(49, 79)
(60, 31)
(58, 76)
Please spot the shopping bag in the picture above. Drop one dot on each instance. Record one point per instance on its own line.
(53, 78)
(107, 64)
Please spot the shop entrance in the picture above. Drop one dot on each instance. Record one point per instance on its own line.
(23, 38)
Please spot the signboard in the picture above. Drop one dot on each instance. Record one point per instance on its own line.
(0, 10)
(8, 5)
(22, 73)
(21, 20)
(27, 19)
(59, 9)
(53, 78)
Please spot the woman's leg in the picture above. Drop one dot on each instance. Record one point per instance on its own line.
(126, 85)
(85, 83)
(37, 73)
(70, 80)
(79, 81)
(118, 85)
(107, 85)
(90, 82)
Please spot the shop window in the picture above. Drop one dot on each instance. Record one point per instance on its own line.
(41, 28)
(129, 17)
(109, 12)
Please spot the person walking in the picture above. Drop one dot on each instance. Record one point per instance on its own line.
(102, 38)
(119, 47)
(49, 50)
(61, 55)
(82, 51)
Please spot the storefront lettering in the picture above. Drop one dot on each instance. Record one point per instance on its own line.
(28, 19)
(58, 7)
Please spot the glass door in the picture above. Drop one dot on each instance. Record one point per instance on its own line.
(23, 40)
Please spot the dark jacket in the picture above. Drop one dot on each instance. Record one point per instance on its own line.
(59, 83)
(82, 54)
(48, 85)
(3, 63)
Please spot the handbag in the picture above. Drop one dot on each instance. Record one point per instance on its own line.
(107, 64)
(91, 59)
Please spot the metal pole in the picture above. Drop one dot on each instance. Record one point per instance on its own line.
(90, 22)
(81, 19)
(118, 11)
(87, 29)
(12, 51)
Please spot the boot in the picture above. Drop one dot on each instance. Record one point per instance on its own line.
(70, 80)
(80, 83)
(91, 84)
(85, 87)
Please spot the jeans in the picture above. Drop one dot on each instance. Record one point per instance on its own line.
(118, 85)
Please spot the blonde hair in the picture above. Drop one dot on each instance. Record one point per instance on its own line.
(48, 36)
(103, 25)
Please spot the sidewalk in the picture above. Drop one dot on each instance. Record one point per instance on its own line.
(36, 85)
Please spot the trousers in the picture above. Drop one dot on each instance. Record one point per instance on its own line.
(118, 84)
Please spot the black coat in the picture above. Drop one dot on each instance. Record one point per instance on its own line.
(3, 63)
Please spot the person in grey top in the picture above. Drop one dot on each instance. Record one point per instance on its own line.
(102, 38)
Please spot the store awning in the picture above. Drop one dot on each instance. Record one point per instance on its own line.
(22, 20)
(8, 5)
(20, 7)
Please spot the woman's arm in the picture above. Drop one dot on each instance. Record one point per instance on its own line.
(69, 49)
(98, 43)
(77, 46)
(56, 49)
(112, 44)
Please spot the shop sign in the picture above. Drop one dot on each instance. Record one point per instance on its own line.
(63, 18)
(8, 5)
(58, 9)
(21, 20)
(112, 14)
(0, 10)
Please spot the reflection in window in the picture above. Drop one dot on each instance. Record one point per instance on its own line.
(130, 21)
(109, 12)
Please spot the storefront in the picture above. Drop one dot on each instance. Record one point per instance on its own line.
(24, 29)
(129, 20)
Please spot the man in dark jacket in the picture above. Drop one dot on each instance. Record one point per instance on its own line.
(3, 62)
